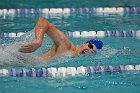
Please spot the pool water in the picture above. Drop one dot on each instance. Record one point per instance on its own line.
(67, 3)
(114, 52)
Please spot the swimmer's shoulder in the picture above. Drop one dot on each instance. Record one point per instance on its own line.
(74, 51)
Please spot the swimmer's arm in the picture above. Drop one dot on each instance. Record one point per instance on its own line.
(50, 54)
(56, 35)
(42, 27)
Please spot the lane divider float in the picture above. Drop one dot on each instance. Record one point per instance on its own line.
(99, 34)
(53, 72)
(111, 10)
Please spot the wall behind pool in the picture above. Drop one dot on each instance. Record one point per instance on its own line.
(67, 3)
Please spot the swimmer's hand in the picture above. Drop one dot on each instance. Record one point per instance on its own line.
(29, 47)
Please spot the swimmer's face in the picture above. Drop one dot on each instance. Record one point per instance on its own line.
(87, 48)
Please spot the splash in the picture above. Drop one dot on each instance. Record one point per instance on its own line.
(10, 56)
(106, 52)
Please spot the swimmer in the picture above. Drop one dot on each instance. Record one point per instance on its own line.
(61, 44)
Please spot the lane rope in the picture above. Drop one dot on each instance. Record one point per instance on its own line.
(111, 10)
(53, 72)
(99, 34)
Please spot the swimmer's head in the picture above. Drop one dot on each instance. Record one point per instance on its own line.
(96, 42)
(91, 45)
